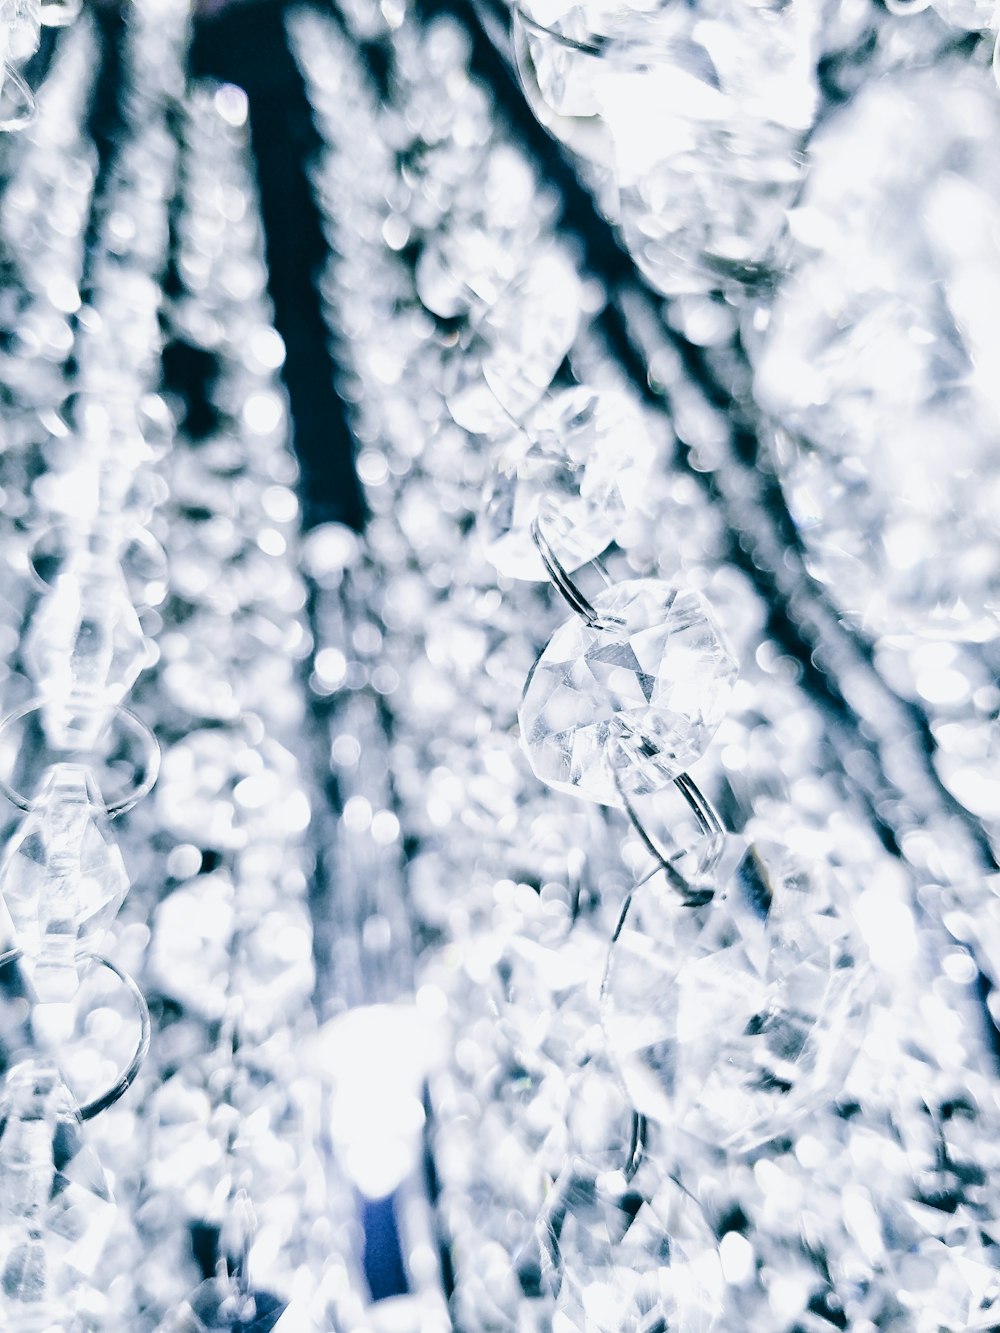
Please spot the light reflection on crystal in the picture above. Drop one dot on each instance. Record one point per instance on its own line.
(733, 1019)
(56, 1207)
(579, 467)
(645, 693)
(62, 878)
(884, 385)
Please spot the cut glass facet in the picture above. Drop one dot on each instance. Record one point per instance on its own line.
(579, 468)
(55, 1204)
(627, 1264)
(63, 878)
(645, 694)
(730, 1020)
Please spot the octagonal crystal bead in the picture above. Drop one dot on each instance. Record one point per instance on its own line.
(730, 1020)
(631, 701)
(519, 345)
(579, 468)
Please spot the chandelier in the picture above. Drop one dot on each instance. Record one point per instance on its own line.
(509, 845)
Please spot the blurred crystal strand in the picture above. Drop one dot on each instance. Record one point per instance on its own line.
(64, 877)
(228, 1148)
(905, 355)
(909, 359)
(516, 892)
(43, 213)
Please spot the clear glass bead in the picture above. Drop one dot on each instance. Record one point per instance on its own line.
(56, 1208)
(62, 877)
(623, 1263)
(84, 649)
(518, 346)
(579, 467)
(643, 690)
(731, 1020)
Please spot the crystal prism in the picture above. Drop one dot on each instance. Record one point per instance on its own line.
(63, 878)
(730, 1020)
(55, 1205)
(84, 649)
(579, 468)
(645, 689)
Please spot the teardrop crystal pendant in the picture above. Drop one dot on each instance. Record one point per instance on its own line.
(644, 689)
(730, 1020)
(56, 1208)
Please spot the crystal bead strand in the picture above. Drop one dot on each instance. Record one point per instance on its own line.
(987, 1299)
(234, 998)
(343, 244)
(861, 533)
(780, 1299)
(964, 1294)
(43, 213)
(63, 877)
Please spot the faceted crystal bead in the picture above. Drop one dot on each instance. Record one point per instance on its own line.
(518, 347)
(950, 1281)
(730, 1020)
(623, 1263)
(881, 357)
(645, 690)
(579, 467)
(84, 648)
(707, 107)
(55, 1205)
(63, 878)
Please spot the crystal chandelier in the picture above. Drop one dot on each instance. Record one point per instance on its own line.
(566, 903)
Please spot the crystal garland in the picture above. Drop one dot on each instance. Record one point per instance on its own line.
(896, 1104)
(891, 355)
(73, 756)
(573, 1124)
(231, 1126)
(255, 1184)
